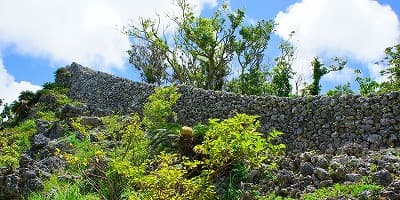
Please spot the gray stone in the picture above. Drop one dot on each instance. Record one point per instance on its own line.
(91, 121)
(352, 177)
(374, 139)
(9, 186)
(382, 177)
(285, 178)
(325, 183)
(56, 131)
(306, 169)
(39, 141)
(321, 174)
(25, 161)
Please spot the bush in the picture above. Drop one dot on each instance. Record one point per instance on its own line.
(235, 141)
(169, 181)
(13, 141)
(158, 108)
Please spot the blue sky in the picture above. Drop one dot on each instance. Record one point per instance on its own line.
(36, 37)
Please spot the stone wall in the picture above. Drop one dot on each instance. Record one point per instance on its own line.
(310, 123)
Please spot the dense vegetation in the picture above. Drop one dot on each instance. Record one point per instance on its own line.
(147, 157)
(223, 52)
(151, 156)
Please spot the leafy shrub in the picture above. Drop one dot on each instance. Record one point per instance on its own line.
(124, 159)
(236, 141)
(169, 181)
(48, 116)
(13, 141)
(158, 108)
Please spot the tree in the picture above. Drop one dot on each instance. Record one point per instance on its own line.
(148, 52)
(319, 70)
(202, 50)
(340, 90)
(250, 51)
(283, 72)
(392, 59)
(367, 85)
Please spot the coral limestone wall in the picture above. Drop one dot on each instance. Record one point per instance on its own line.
(310, 123)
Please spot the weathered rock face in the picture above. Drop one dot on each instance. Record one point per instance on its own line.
(317, 123)
(35, 164)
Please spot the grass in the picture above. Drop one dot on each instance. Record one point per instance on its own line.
(13, 141)
(55, 189)
(344, 190)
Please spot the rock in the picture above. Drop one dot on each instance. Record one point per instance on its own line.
(91, 121)
(9, 186)
(325, 183)
(393, 140)
(30, 181)
(52, 164)
(56, 131)
(352, 149)
(25, 161)
(69, 111)
(49, 100)
(367, 195)
(320, 161)
(321, 174)
(382, 177)
(285, 178)
(39, 141)
(306, 169)
(42, 126)
(374, 139)
(392, 191)
(352, 177)
(389, 195)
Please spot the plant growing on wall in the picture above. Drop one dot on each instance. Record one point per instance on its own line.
(320, 70)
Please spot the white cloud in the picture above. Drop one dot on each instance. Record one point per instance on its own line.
(340, 77)
(356, 29)
(375, 72)
(75, 30)
(9, 88)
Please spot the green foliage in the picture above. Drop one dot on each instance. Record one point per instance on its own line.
(393, 71)
(133, 143)
(125, 160)
(344, 191)
(367, 85)
(202, 49)
(83, 150)
(55, 189)
(273, 196)
(157, 110)
(340, 90)
(320, 70)
(250, 49)
(79, 127)
(252, 82)
(47, 116)
(169, 181)
(236, 141)
(149, 51)
(283, 72)
(164, 139)
(13, 141)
